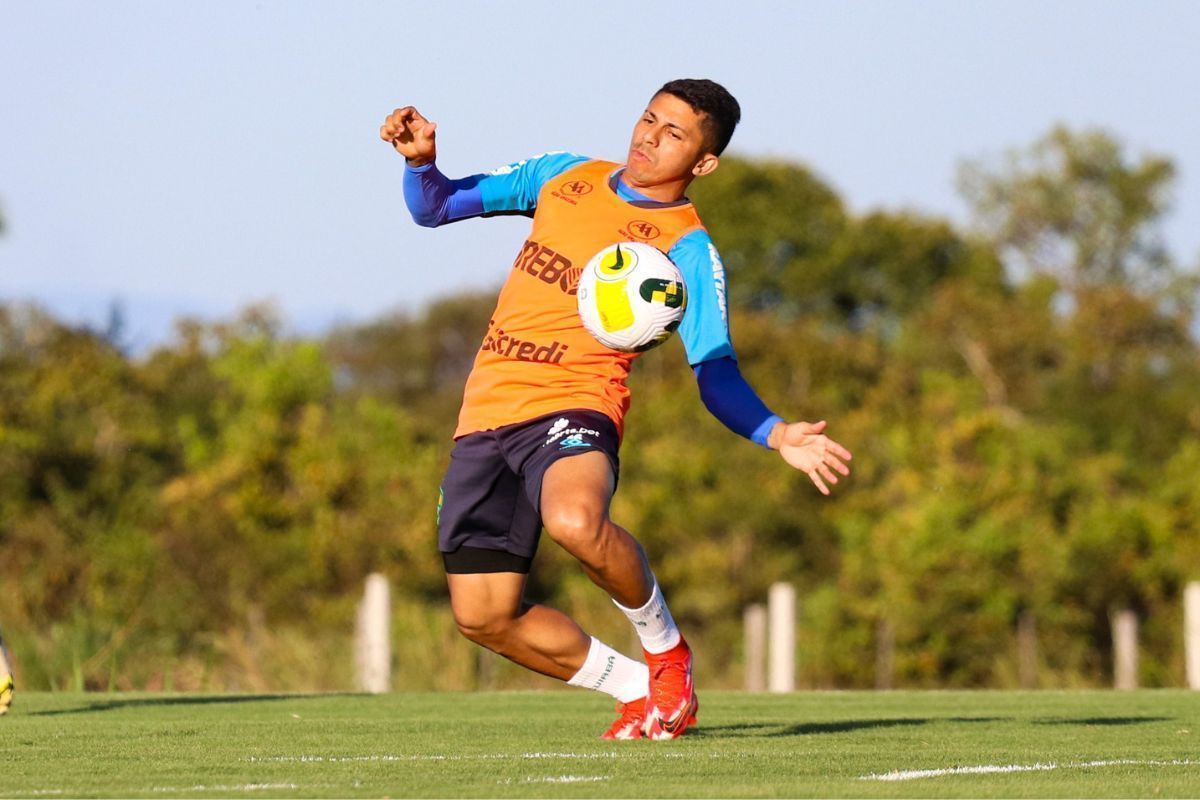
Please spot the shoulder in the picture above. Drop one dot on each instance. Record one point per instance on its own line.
(544, 166)
(516, 186)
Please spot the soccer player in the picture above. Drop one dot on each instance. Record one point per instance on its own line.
(543, 409)
(6, 679)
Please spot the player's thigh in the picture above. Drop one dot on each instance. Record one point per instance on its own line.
(485, 601)
(580, 486)
(576, 492)
(570, 468)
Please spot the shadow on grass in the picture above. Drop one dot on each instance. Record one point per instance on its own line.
(1100, 720)
(728, 731)
(774, 730)
(185, 700)
(847, 725)
(803, 729)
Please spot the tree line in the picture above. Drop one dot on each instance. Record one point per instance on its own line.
(1020, 395)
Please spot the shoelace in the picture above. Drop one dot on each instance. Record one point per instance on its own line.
(630, 714)
(675, 683)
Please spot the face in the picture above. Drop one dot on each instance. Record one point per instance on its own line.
(668, 145)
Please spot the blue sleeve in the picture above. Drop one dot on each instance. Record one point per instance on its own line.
(731, 400)
(705, 326)
(433, 199)
(516, 187)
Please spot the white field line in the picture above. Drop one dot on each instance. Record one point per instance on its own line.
(568, 755)
(313, 759)
(559, 779)
(241, 787)
(989, 769)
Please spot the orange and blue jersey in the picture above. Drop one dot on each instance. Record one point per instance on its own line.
(536, 357)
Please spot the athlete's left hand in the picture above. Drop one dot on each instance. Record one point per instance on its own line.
(805, 446)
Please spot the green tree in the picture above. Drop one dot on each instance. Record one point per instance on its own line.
(81, 454)
(1120, 369)
(420, 362)
(774, 223)
(1076, 207)
(790, 246)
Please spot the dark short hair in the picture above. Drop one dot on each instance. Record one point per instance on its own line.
(721, 111)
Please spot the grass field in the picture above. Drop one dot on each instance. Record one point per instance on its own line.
(832, 744)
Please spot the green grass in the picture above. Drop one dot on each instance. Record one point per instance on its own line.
(544, 744)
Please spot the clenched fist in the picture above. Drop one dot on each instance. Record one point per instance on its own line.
(411, 134)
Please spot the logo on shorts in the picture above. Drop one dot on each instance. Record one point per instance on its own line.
(570, 437)
(574, 441)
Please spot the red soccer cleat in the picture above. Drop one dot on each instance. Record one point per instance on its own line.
(672, 702)
(629, 724)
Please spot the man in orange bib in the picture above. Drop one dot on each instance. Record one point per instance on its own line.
(543, 410)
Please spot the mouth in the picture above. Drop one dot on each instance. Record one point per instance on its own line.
(638, 155)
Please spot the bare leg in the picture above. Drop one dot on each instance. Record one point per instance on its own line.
(489, 611)
(575, 496)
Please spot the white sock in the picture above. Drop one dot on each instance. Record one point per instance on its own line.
(606, 670)
(653, 622)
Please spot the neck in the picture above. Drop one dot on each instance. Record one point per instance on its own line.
(667, 192)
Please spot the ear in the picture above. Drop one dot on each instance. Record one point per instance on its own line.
(707, 163)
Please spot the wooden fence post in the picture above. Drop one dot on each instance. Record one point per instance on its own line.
(755, 620)
(781, 610)
(1191, 633)
(1125, 649)
(373, 636)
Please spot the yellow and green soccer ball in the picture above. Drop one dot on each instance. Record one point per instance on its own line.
(631, 297)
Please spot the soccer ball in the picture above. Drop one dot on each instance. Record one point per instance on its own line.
(631, 297)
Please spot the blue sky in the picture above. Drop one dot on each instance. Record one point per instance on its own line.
(194, 158)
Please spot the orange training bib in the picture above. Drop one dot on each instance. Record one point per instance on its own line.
(537, 358)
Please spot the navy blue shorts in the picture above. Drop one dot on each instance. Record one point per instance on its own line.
(489, 511)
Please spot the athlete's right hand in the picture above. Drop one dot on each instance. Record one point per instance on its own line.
(411, 134)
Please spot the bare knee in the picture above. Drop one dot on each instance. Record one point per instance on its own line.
(486, 606)
(487, 629)
(580, 527)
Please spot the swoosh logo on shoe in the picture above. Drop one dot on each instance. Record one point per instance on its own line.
(679, 720)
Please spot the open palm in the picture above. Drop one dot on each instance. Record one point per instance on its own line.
(805, 446)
